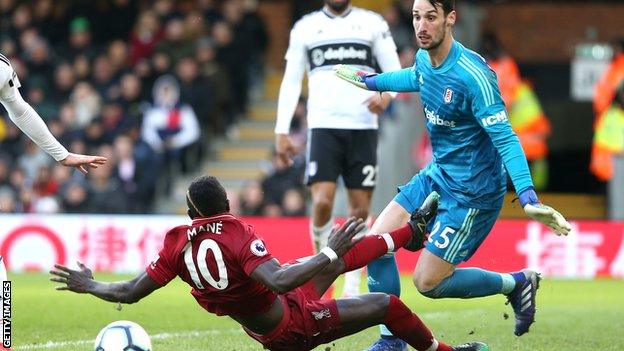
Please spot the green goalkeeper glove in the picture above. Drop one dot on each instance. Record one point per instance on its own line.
(353, 75)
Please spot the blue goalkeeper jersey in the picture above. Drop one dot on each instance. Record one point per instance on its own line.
(468, 126)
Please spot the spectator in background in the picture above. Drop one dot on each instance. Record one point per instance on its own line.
(75, 198)
(86, 103)
(131, 100)
(64, 81)
(608, 137)
(251, 199)
(231, 56)
(293, 204)
(147, 162)
(176, 44)
(525, 111)
(79, 40)
(170, 127)
(221, 109)
(144, 37)
(401, 33)
(82, 67)
(7, 200)
(195, 90)
(104, 77)
(605, 89)
(281, 178)
(118, 57)
(32, 159)
(106, 194)
(44, 184)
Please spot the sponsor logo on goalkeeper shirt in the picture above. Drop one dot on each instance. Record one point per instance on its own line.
(492, 120)
(437, 120)
(340, 53)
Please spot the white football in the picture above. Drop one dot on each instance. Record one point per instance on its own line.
(123, 336)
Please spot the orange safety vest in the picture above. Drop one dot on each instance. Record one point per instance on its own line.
(525, 112)
(604, 91)
(608, 140)
(508, 77)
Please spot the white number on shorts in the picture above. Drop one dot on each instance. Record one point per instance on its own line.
(204, 246)
(370, 171)
(441, 244)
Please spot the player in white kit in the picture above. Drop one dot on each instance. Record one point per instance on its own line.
(342, 119)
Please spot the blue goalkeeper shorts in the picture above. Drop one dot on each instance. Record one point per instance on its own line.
(457, 231)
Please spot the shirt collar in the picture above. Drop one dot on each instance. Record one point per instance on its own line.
(331, 15)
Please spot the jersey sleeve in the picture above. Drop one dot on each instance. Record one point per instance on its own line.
(253, 252)
(489, 110)
(8, 80)
(404, 80)
(162, 270)
(290, 89)
(296, 45)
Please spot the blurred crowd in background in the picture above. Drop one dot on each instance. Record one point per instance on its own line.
(153, 84)
(148, 84)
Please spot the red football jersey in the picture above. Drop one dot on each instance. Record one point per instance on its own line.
(215, 256)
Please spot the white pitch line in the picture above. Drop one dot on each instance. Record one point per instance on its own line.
(160, 336)
(197, 333)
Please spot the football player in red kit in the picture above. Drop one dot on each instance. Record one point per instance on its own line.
(232, 273)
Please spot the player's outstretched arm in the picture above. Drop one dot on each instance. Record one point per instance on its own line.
(29, 122)
(542, 213)
(403, 80)
(81, 281)
(282, 279)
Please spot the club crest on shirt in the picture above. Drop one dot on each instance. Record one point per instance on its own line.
(257, 248)
(448, 95)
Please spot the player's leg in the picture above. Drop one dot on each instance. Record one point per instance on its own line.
(359, 204)
(361, 312)
(383, 274)
(360, 177)
(322, 205)
(368, 249)
(456, 234)
(323, 168)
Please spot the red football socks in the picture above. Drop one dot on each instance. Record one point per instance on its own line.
(375, 246)
(406, 325)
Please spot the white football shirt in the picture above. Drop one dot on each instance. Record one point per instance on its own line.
(319, 41)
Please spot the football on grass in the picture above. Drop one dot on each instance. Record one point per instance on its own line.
(123, 336)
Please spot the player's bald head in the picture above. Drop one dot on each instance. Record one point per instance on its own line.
(206, 197)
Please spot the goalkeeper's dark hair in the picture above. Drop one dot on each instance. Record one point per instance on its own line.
(206, 197)
(447, 5)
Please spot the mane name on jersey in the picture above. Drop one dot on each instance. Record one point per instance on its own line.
(213, 228)
(340, 53)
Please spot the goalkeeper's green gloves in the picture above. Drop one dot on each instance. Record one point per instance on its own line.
(357, 77)
(542, 213)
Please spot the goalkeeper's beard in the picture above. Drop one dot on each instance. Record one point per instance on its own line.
(435, 44)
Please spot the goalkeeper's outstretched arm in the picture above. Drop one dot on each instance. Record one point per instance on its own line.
(403, 80)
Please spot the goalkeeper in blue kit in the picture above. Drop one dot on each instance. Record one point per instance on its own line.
(474, 148)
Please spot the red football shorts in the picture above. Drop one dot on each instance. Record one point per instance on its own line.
(307, 322)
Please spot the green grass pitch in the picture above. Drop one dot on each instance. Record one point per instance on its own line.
(572, 315)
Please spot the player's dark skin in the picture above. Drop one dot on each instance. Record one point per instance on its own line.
(356, 313)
